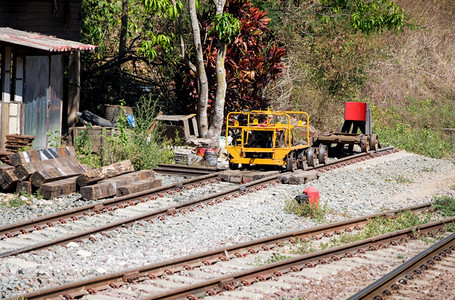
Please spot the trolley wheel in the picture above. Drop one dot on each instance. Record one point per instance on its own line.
(233, 166)
(311, 157)
(364, 143)
(323, 154)
(291, 162)
(301, 160)
(374, 144)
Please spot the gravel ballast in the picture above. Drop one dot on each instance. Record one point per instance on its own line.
(388, 182)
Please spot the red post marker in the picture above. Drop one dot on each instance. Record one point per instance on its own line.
(313, 195)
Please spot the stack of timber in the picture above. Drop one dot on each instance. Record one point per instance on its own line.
(115, 180)
(56, 172)
(15, 142)
(35, 167)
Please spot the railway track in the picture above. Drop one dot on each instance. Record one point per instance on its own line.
(186, 171)
(78, 223)
(87, 220)
(419, 272)
(215, 271)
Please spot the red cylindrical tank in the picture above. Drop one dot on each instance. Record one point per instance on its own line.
(313, 195)
(355, 111)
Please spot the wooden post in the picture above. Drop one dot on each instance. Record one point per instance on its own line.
(6, 96)
(4, 123)
(74, 88)
(6, 74)
(19, 82)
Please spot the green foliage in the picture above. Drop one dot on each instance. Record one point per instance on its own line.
(149, 59)
(149, 48)
(26, 148)
(144, 148)
(225, 26)
(330, 54)
(425, 141)
(83, 144)
(54, 138)
(306, 210)
(416, 126)
(303, 247)
(163, 8)
(18, 200)
(374, 227)
(252, 62)
(102, 21)
(450, 227)
(446, 205)
(368, 16)
(99, 16)
(276, 256)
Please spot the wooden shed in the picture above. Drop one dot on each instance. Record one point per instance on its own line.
(60, 18)
(34, 100)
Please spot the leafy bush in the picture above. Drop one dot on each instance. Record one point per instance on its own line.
(142, 145)
(305, 209)
(83, 144)
(145, 148)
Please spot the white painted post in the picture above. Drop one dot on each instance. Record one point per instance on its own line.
(19, 80)
(6, 74)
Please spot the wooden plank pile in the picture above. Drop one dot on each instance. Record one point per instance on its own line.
(56, 171)
(33, 168)
(118, 179)
(15, 142)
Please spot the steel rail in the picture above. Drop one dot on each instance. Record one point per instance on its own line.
(230, 282)
(163, 212)
(198, 168)
(185, 170)
(211, 257)
(30, 225)
(392, 279)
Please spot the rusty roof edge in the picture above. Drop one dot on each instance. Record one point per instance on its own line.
(41, 41)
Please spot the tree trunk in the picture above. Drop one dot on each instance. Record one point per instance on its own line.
(200, 71)
(216, 122)
(124, 28)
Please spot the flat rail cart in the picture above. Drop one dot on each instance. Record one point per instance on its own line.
(357, 117)
(271, 138)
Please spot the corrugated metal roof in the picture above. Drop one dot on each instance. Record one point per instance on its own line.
(40, 41)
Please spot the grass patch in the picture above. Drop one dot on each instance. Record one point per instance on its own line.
(305, 209)
(450, 227)
(259, 261)
(400, 179)
(424, 141)
(445, 205)
(303, 247)
(17, 201)
(374, 227)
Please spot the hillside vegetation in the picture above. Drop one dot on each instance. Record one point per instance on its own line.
(407, 76)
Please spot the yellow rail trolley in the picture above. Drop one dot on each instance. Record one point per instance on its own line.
(271, 138)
